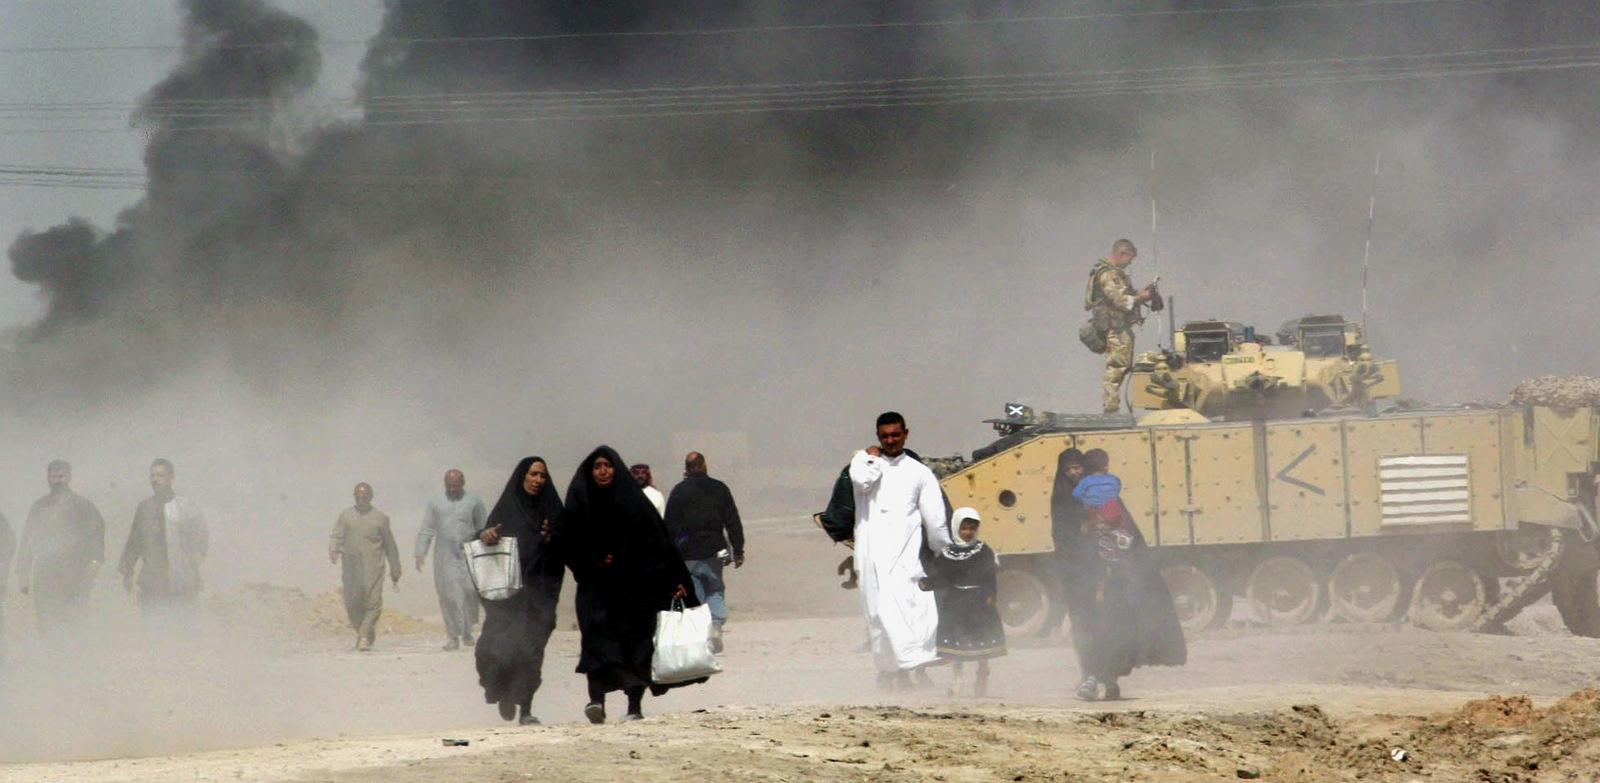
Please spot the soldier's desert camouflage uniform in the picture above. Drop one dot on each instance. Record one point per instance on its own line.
(1111, 300)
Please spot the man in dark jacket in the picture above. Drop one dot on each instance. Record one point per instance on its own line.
(63, 544)
(704, 523)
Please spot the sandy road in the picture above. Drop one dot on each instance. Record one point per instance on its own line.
(240, 705)
(332, 714)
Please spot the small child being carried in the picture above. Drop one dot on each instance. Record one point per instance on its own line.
(1108, 520)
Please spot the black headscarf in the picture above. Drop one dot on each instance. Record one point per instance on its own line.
(519, 514)
(619, 521)
(624, 494)
(1066, 511)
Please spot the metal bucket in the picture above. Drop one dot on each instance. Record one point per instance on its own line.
(496, 570)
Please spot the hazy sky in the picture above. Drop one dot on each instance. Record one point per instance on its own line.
(115, 77)
(945, 278)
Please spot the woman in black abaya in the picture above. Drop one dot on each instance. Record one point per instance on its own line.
(627, 570)
(1122, 618)
(510, 651)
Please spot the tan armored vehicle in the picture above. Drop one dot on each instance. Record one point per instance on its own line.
(1268, 473)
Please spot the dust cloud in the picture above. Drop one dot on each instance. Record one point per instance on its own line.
(476, 270)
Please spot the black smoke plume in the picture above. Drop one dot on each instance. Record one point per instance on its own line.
(504, 147)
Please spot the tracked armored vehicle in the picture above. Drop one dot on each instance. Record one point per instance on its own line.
(1278, 474)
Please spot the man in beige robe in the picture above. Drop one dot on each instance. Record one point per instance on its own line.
(363, 540)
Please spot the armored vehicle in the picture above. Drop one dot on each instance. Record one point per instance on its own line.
(1269, 473)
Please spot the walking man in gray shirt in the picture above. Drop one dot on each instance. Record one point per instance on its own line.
(454, 517)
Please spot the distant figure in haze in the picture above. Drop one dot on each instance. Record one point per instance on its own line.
(454, 517)
(897, 502)
(510, 652)
(1114, 305)
(704, 524)
(627, 570)
(964, 584)
(641, 476)
(363, 539)
(63, 544)
(8, 547)
(1133, 622)
(167, 543)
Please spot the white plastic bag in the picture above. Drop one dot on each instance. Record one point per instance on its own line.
(683, 645)
(496, 570)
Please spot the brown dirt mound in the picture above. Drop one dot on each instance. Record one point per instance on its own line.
(288, 613)
(1579, 703)
(327, 618)
(1492, 713)
(1503, 739)
(1556, 391)
(1507, 739)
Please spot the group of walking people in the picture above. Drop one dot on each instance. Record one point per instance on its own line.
(62, 545)
(627, 561)
(929, 584)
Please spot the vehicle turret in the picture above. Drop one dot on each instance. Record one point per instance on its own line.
(1226, 370)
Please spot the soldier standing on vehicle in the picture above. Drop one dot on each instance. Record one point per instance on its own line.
(1113, 305)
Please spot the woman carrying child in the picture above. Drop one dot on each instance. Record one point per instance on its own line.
(1133, 622)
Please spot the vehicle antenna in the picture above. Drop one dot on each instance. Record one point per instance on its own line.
(1366, 254)
(1155, 257)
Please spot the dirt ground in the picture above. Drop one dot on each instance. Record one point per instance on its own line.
(797, 702)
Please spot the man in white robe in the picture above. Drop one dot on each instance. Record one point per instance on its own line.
(895, 495)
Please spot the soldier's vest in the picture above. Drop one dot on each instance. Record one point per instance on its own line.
(1103, 316)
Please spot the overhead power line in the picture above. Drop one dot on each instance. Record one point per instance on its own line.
(737, 99)
(1071, 18)
(135, 179)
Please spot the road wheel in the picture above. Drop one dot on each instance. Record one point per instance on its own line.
(1284, 591)
(1448, 596)
(1364, 588)
(1573, 589)
(1199, 603)
(1024, 601)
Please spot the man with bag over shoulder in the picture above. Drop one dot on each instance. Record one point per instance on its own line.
(899, 512)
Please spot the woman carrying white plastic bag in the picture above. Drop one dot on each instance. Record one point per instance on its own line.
(683, 645)
(627, 572)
